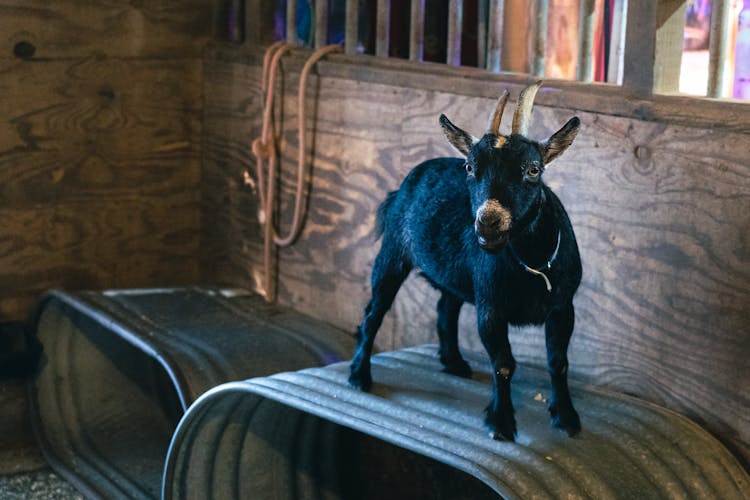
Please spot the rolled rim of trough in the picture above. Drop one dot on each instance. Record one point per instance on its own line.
(120, 368)
(628, 446)
(59, 465)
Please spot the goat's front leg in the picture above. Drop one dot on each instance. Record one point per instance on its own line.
(448, 309)
(494, 334)
(558, 329)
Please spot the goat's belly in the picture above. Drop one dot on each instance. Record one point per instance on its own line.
(460, 288)
(522, 315)
(524, 307)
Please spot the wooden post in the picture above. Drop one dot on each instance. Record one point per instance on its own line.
(291, 21)
(455, 28)
(383, 28)
(617, 42)
(321, 23)
(718, 45)
(670, 31)
(482, 22)
(640, 42)
(517, 41)
(586, 40)
(351, 38)
(416, 31)
(253, 21)
(540, 37)
(495, 35)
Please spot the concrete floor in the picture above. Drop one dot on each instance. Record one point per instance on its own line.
(36, 485)
(24, 475)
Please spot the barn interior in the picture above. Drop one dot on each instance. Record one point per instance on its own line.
(133, 216)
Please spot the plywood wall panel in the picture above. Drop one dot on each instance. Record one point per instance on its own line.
(660, 212)
(124, 28)
(103, 244)
(100, 153)
(99, 128)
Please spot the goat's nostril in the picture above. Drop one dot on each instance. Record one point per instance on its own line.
(489, 222)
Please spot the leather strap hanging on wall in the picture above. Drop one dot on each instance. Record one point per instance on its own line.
(265, 147)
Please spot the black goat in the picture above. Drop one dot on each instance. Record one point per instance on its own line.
(484, 230)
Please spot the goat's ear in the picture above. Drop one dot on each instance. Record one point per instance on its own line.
(560, 140)
(457, 137)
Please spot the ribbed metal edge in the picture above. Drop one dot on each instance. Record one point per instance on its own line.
(120, 368)
(628, 448)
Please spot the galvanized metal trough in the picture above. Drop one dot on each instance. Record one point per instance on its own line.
(121, 367)
(419, 434)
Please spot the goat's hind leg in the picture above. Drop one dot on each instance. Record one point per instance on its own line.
(558, 329)
(448, 309)
(388, 273)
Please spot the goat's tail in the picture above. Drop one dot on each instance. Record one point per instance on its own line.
(382, 216)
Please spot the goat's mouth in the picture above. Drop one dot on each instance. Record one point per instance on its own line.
(493, 244)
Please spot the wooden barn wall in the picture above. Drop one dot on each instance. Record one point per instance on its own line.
(663, 310)
(100, 135)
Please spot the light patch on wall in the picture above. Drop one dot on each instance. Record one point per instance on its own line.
(248, 180)
(173, 146)
(57, 175)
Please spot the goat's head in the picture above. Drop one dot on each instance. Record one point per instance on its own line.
(504, 173)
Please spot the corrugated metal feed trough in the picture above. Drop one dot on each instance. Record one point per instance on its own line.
(120, 368)
(419, 434)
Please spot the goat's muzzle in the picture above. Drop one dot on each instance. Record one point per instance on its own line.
(491, 226)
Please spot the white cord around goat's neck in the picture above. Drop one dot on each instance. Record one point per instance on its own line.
(537, 272)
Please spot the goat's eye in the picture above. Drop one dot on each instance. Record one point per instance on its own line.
(469, 169)
(533, 172)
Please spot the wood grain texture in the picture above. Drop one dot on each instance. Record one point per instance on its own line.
(98, 127)
(474, 82)
(109, 243)
(125, 28)
(662, 312)
(99, 145)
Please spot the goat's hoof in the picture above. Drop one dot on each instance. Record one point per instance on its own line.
(502, 427)
(566, 419)
(457, 367)
(361, 381)
(499, 436)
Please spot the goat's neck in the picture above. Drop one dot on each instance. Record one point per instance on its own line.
(537, 239)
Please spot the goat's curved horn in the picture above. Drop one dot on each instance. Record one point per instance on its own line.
(522, 116)
(493, 127)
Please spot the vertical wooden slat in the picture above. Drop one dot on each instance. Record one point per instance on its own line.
(482, 22)
(383, 28)
(718, 45)
(253, 21)
(291, 21)
(455, 28)
(517, 50)
(670, 31)
(540, 37)
(321, 23)
(640, 43)
(416, 31)
(351, 38)
(586, 40)
(617, 42)
(495, 34)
